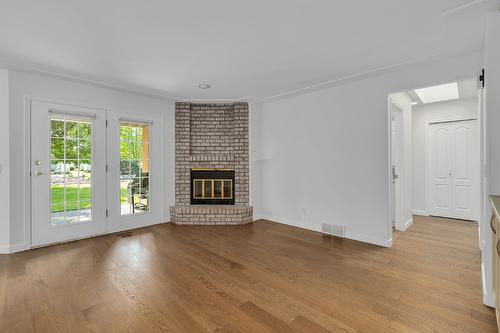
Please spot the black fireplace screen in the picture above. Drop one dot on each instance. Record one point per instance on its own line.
(212, 187)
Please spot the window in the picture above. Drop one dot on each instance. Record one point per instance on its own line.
(70, 170)
(134, 168)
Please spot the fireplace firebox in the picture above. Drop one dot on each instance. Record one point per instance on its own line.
(212, 187)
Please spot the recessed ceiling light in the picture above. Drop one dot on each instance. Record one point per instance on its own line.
(414, 103)
(444, 92)
(204, 86)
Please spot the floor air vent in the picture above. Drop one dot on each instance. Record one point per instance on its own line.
(333, 229)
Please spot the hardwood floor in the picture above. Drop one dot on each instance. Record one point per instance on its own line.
(263, 277)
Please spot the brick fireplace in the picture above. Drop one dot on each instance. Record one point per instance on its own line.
(211, 164)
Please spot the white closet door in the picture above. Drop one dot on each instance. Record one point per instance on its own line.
(454, 169)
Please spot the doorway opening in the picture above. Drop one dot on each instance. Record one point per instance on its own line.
(435, 153)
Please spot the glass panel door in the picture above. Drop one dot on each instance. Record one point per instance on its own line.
(68, 184)
(135, 184)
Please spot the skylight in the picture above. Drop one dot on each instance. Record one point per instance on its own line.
(444, 92)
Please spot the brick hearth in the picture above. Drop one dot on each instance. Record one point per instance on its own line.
(212, 136)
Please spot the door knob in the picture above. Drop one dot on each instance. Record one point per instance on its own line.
(38, 173)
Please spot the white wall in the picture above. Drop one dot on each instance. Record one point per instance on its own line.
(403, 100)
(24, 85)
(328, 150)
(4, 162)
(491, 121)
(421, 116)
(255, 119)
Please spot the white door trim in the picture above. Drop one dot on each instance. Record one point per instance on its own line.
(427, 183)
(399, 199)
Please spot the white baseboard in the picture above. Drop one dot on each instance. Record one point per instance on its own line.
(420, 212)
(489, 299)
(126, 227)
(488, 294)
(369, 239)
(6, 249)
(316, 227)
(407, 225)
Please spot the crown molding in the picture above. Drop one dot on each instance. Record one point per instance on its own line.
(362, 75)
(80, 79)
(296, 92)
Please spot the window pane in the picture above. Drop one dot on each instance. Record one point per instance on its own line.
(125, 133)
(125, 150)
(85, 215)
(217, 189)
(70, 172)
(198, 185)
(228, 190)
(84, 193)
(57, 128)
(141, 204)
(85, 148)
(137, 134)
(58, 167)
(135, 151)
(57, 198)
(144, 168)
(144, 149)
(85, 131)
(57, 148)
(71, 129)
(125, 168)
(144, 185)
(208, 189)
(71, 149)
(85, 166)
(134, 168)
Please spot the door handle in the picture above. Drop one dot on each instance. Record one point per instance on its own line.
(498, 247)
(492, 219)
(38, 173)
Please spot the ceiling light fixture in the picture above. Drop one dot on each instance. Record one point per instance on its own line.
(204, 86)
(444, 92)
(414, 103)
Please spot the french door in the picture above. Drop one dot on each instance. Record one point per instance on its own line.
(134, 176)
(454, 169)
(92, 172)
(68, 172)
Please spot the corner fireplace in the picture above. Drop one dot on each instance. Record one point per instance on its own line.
(212, 187)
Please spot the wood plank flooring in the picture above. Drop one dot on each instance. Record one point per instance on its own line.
(263, 277)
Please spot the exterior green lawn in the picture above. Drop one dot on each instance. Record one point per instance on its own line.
(57, 198)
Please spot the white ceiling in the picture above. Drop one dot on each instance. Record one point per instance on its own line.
(256, 48)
